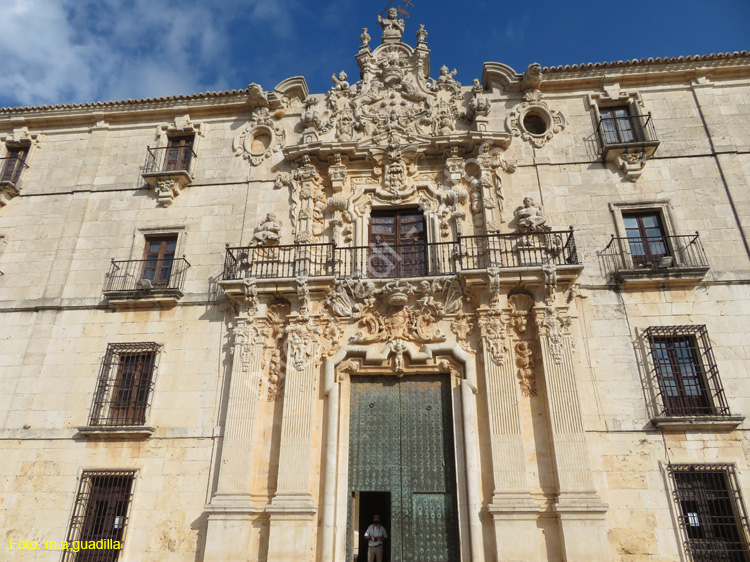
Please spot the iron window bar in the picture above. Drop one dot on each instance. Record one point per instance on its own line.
(100, 514)
(146, 274)
(683, 372)
(389, 260)
(626, 131)
(630, 253)
(158, 158)
(125, 385)
(12, 166)
(711, 513)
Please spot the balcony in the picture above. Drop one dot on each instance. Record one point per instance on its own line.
(145, 282)
(169, 170)
(11, 167)
(387, 261)
(626, 135)
(676, 260)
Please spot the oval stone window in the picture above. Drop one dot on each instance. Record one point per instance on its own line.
(535, 123)
(261, 142)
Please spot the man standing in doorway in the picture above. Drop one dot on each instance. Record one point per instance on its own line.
(375, 536)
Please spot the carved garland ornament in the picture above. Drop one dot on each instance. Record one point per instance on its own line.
(300, 341)
(553, 326)
(494, 338)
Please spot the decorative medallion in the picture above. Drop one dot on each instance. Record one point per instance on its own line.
(259, 138)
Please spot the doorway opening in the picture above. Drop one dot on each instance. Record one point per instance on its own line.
(365, 505)
(402, 466)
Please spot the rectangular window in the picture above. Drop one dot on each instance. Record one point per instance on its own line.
(125, 384)
(618, 125)
(100, 515)
(711, 513)
(684, 371)
(179, 153)
(158, 259)
(646, 237)
(14, 164)
(398, 244)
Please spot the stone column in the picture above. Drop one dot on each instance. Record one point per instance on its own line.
(292, 509)
(232, 509)
(580, 509)
(513, 509)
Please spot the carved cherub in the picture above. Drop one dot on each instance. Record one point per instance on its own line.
(341, 85)
(446, 75)
(399, 347)
(268, 232)
(392, 26)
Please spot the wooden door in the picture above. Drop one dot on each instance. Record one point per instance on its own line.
(398, 244)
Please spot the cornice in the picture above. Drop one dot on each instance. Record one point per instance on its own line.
(735, 64)
(648, 62)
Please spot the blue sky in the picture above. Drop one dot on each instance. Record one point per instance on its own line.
(68, 51)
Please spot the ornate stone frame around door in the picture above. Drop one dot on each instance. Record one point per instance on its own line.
(431, 359)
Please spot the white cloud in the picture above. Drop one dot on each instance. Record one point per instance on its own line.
(62, 51)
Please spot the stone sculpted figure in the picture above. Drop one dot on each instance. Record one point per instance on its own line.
(525, 364)
(532, 78)
(268, 232)
(530, 217)
(392, 26)
(446, 76)
(341, 85)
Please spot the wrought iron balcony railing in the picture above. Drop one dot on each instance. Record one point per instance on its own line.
(661, 253)
(630, 131)
(12, 167)
(170, 159)
(146, 276)
(422, 259)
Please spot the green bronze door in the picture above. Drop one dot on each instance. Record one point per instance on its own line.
(401, 443)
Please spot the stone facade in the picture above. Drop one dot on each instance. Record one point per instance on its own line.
(257, 259)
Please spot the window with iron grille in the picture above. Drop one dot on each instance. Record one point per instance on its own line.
(100, 514)
(684, 373)
(125, 383)
(14, 163)
(710, 512)
(618, 124)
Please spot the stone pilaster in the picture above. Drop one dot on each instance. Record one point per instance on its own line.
(292, 509)
(232, 509)
(513, 509)
(579, 507)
